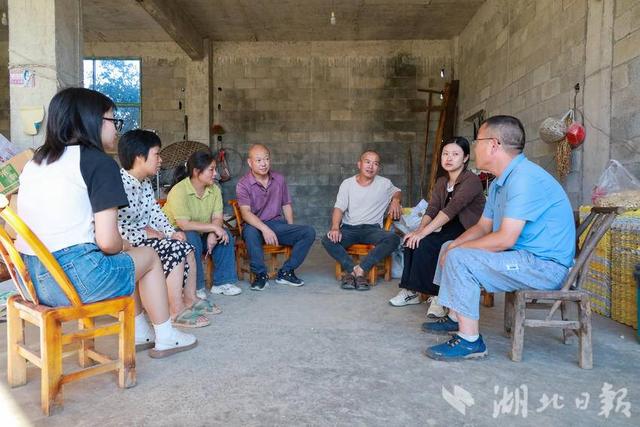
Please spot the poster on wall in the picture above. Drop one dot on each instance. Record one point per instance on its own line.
(22, 77)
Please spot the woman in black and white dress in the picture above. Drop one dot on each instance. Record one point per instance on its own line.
(143, 223)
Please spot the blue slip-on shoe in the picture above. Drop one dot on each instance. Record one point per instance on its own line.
(457, 348)
(442, 326)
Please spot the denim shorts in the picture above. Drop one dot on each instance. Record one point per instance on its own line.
(95, 275)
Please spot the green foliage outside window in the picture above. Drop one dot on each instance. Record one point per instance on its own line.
(119, 79)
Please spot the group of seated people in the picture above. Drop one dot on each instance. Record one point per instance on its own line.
(112, 238)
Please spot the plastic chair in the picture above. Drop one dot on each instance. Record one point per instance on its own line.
(54, 343)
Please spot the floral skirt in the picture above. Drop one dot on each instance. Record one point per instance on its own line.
(171, 252)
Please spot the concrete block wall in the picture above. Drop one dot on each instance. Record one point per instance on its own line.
(625, 85)
(163, 80)
(318, 105)
(523, 58)
(4, 89)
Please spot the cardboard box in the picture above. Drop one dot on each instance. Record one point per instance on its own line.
(10, 172)
(13, 204)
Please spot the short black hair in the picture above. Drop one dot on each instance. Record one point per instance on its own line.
(136, 143)
(372, 151)
(75, 117)
(510, 130)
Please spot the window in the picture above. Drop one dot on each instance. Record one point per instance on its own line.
(119, 79)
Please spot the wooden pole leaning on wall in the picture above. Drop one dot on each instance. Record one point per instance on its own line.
(445, 127)
(423, 163)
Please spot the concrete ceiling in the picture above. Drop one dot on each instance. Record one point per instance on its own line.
(279, 20)
(282, 20)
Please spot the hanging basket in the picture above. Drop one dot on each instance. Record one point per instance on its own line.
(553, 130)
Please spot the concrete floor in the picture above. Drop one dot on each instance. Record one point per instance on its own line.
(318, 355)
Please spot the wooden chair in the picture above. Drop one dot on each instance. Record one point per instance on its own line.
(360, 250)
(242, 256)
(54, 343)
(517, 303)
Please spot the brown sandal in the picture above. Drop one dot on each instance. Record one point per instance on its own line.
(361, 284)
(348, 282)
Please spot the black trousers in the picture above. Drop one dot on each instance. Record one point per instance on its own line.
(420, 263)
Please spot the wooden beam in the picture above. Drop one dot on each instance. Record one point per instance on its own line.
(173, 21)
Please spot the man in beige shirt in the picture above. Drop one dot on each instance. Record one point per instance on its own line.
(358, 217)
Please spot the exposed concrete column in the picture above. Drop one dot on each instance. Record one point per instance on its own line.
(597, 92)
(198, 97)
(46, 37)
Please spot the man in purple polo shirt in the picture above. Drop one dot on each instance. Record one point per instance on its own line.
(266, 208)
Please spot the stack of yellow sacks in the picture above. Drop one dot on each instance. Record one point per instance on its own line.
(598, 280)
(610, 279)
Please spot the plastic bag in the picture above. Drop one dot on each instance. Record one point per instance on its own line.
(411, 221)
(397, 263)
(7, 149)
(617, 187)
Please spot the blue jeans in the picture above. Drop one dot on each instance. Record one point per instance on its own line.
(95, 275)
(224, 260)
(385, 242)
(467, 270)
(301, 237)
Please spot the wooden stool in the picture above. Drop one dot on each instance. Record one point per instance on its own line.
(517, 303)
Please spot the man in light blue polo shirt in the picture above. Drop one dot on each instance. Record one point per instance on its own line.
(525, 239)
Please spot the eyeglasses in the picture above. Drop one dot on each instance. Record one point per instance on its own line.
(475, 141)
(117, 123)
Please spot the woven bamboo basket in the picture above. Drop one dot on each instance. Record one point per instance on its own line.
(625, 255)
(598, 280)
(178, 152)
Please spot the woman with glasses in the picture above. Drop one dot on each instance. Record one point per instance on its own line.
(456, 204)
(69, 196)
(143, 223)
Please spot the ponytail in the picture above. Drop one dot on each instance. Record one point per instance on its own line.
(199, 160)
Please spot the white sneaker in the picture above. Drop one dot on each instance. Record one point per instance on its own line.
(405, 297)
(201, 293)
(435, 309)
(228, 289)
(145, 336)
(176, 342)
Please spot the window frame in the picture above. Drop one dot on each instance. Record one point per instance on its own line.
(116, 58)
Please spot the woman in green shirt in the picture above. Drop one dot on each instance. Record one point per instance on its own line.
(194, 204)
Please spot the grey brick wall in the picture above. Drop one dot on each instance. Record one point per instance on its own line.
(317, 111)
(523, 58)
(625, 86)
